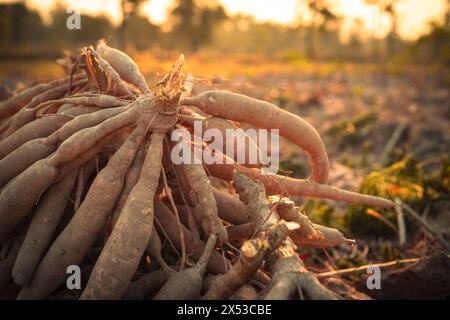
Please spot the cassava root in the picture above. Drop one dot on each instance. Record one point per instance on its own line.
(86, 178)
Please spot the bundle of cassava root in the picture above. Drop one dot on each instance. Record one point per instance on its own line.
(87, 180)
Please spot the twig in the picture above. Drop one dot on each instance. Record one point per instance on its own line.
(364, 267)
(400, 222)
(426, 226)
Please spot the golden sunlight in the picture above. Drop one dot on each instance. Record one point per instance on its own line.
(414, 15)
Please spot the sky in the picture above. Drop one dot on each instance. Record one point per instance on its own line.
(414, 15)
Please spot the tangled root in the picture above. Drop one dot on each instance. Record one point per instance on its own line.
(85, 167)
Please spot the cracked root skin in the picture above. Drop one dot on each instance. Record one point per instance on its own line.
(288, 270)
(253, 253)
(290, 275)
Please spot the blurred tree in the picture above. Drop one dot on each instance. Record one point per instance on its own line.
(322, 18)
(136, 30)
(130, 10)
(140, 33)
(435, 46)
(92, 29)
(17, 12)
(209, 17)
(355, 46)
(184, 15)
(19, 25)
(389, 7)
(193, 23)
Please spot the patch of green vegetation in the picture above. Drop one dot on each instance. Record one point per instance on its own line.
(293, 166)
(396, 155)
(321, 212)
(362, 224)
(402, 179)
(361, 161)
(352, 132)
(405, 180)
(439, 181)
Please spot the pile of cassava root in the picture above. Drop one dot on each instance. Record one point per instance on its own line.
(87, 179)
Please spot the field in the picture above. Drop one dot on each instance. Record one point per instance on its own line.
(386, 128)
